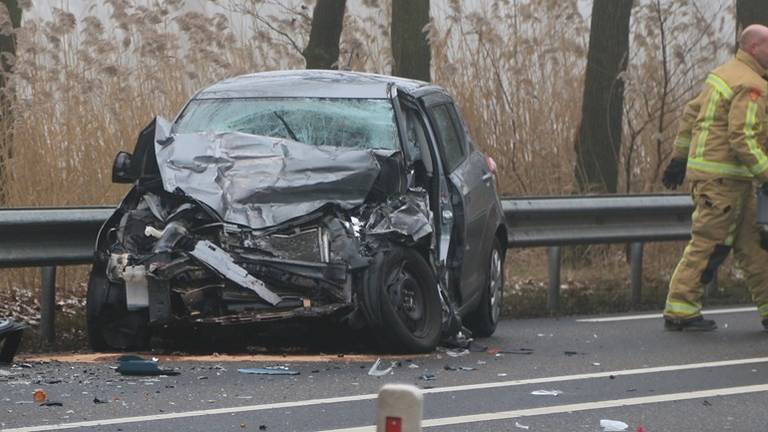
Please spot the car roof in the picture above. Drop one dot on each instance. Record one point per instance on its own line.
(312, 84)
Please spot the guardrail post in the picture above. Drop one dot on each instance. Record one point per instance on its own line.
(399, 408)
(48, 303)
(636, 271)
(553, 294)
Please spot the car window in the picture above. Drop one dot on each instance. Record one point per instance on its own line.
(416, 138)
(353, 123)
(453, 146)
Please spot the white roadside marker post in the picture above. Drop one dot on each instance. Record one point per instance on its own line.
(399, 408)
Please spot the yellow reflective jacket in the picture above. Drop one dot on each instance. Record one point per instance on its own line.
(722, 131)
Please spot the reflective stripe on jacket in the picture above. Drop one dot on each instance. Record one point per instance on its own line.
(722, 131)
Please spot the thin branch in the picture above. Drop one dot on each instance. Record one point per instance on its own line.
(290, 40)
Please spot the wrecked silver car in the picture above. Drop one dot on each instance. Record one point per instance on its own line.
(303, 194)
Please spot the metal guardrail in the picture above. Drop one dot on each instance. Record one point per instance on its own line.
(559, 221)
(634, 219)
(32, 237)
(63, 236)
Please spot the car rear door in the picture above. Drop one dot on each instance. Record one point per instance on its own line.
(470, 180)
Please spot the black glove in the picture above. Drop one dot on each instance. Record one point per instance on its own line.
(675, 173)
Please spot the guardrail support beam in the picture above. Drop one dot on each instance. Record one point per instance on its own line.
(48, 304)
(553, 294)
(636, 272)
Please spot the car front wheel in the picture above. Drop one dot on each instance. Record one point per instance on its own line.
(110, 325)
(409, 302)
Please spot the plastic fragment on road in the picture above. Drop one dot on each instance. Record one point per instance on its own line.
(428, 377)
(459, 368)
(39, 396)
(375, 371)
(52, 404)
(269, 370)
(476, 347)
(134, 365)
(547, 393)
(457, 353)
(521, 426)
(521, 351)
(613, 425)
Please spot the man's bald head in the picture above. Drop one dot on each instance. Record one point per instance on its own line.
(754, 40)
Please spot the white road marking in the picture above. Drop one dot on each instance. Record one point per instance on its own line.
(372, 396)
(654, 316)
(586, 406)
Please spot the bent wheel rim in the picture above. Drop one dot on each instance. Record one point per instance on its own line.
(407, 298)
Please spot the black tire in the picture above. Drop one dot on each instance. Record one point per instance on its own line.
(111, 327)
(411, 311)
(483, 321)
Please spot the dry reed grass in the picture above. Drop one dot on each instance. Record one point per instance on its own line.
(86, 85)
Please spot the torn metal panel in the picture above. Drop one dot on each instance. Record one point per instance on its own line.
(408, 215)
(215, 257)
(262, 181)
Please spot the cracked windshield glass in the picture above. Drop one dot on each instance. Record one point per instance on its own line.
(350, 123)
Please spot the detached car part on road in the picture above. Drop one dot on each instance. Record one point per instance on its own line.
(282, 195)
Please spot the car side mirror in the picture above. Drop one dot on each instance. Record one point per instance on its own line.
(121, 168)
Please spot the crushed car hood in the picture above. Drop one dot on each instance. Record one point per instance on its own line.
(262, 181)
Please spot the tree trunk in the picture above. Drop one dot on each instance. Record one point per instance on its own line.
(410, 47)
(750, 12)
(598, 144)
(322, 51)
(11, 10)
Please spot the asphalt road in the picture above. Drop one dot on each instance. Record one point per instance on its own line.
(628, 370)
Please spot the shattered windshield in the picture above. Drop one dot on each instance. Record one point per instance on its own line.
(353, 123)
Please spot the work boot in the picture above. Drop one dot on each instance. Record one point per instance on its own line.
(692, 324)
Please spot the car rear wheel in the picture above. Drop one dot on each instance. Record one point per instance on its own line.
(410, 302)
(110, 325)
(482, 322)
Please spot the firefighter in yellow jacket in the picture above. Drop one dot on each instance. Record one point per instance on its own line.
(720, 144)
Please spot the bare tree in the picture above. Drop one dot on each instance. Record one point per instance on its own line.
(287, 25)
(322, 51)
(598, 143)
(674, 44)
(11, 20)
(410, 45)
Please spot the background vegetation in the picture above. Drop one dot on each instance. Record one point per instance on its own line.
(86, 83)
